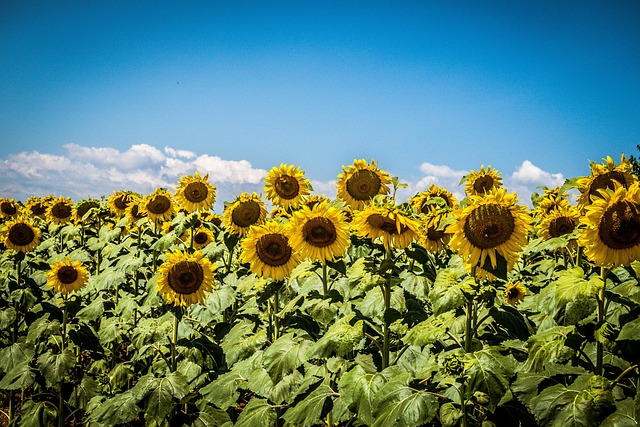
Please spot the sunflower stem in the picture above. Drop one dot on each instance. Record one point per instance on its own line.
(325, 287)
(276, 320)
(601, 320)
(386, 338)
(14, 339)
(62, 348)
(174, 343)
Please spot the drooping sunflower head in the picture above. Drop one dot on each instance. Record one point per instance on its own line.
(83, 207)
(159, 205)
(558, 222)
(490, 224)
(195, 193)
(245, 211)
(9, 208)
(482, 181)
(611, 236)
(20, 234)
(267, 250)
(360, 182)
(36, 207)
(286, 186)
(119, 201)
(514, 293)
(604, 176)
(134, 210)
(395, 229)
(201, 237)
(320, 233)
(279, 212)
(433, 197)
(314, 199)
(184, 278)
(60, 210)
(67, 276)
(435, 235)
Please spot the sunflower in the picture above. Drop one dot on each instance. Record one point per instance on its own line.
(67, 276)
(267, 250)
(424, 200)
(8, 208)
(20, 235)
(195, 193)
(514, 293)
(158, 206)
(83, 207)
(119, 201)
(312, 200)
(36, 207)
(245, 211)
(604, 176)
(611, 236)
(435, 236)
(552, 199)
(320, 233)
(558, 222)
(482, 181)
(279, 212)
(286, 186)
(134, 210)
(394, 228)
(184, 278)
(201, 237)
(60, 210)
(361, 182)
(489, 224)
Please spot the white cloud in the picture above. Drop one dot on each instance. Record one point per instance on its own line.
(528, 177)
(185, 154)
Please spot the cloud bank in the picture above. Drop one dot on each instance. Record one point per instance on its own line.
(84, 172)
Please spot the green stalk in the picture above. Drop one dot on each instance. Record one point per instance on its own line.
(386, 337)
(276, 320)
(14, 339)
(325, 285)
(62, 348)
(174, 343)
(601, 319)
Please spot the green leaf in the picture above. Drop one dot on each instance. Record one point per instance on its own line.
(548, 347)
(112, 329)
(42, 327)
(417, 286)
(430, 330)
(489, 372)
(84, 392)
(19, 377)
(120, 409)
(162, 394)
(257, 413)
(36, 414)
(512, 321)
(630, 330)
(448, 292)
(399, 405)
(92, 311)
(217, 301)
(7, 316)
(624, 415)
(120, 375)
(357, 390)
(241, 342)
(55, 367)
(15, 355)
(285, 355)
(372, 305)
(212, 417)
(339, 339)
(223, 391)
(559, 405)
(450, 415)
(572, 283)
(309, 411)
(287, 388)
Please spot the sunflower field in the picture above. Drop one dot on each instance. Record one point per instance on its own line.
(293, 309)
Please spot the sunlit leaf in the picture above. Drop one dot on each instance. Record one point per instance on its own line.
(309, 411)
(398, 404)
(257, 413)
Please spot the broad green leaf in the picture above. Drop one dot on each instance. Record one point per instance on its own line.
(257, 413)
(84, 392)
(121, 408)
(489, 372)
(308, 412)
(548, 347)
(19, 377)
(241, 341)
(450, 415)
(572, 283)
(559, 405)
(223, 391)
(340, 339)
(7, 316)
(287, 388)
(630, 331)
(36, 414)
(372, 305)
(112, 330)
(42, 327)
(285, 355)
(449, 288)
(357, 390)
(92, 311)
(399, 405)
(162, 394)
(212, 417)
(624, 415)
(120, 375)
(15, 355)
(430, 330)
(217, 301)
(414, 284)
(512, 321)
(322, 310)
(55, 367)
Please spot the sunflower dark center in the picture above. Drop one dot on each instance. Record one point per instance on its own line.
(319, 232)
(21, 234)
(287, 187)
(159, 205)
(196, 192)
(85, 207)
(246, 213)
(561, 225)
(364, 185)
(434, 234)
(619, 227)
(606, 181)
(201, 238)
(488, 226)
(61, 210)
(121, 202)
(8, 208)
(135, 212)
(38, 209)
(186, 277)
(386, 224)
(273, 249)
(67, 274)
(513, 292)
(483, 184)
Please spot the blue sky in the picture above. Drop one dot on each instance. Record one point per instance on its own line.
(99, 96)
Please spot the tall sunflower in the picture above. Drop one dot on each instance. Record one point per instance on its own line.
(20, 235)
(394, 228)
(245, 211)
(320, 233)
(514, 293)
(550, 200)
(201, 237)
(604, 176)
(490, 224)
(314, 199)
(195, 193)
(286, 186)
(134, 210)
(482, 181)
(67, 276)
(60, 210)
(9, 208)
(361, 182)
(423, 201)
(83, 207)
(267, 250)
(611, 236)
(36, 207)
(159, 205)
(558, 222)
(184, 278)
(436, 235)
